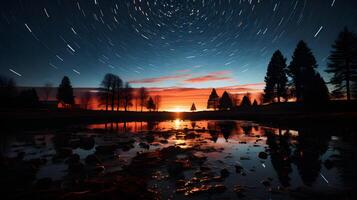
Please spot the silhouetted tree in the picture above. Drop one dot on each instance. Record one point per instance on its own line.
(301, 68)
(127, 96)
(65, 93)
(85, 99)
(225, 103)
(143, 96)
(137, 99)
(309, 87)
(343, 63)
(275, 78)
(255, 103)
(226, 128)
(280, 155)
(235, 100)
(8, 92)
(311, 145)
(246, 102)
(213, 100)
(213, 130)
(150, 105)
(114, 90)
(316, 91)
(106, 91)
(47, 89)
(119, 88)
(157, 102)
(193, 107)
(28, 98)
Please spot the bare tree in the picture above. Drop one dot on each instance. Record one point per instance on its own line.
(143, 96)
(127, 96)
(157, 102)
(150, 105)
(137, 100)
(119, 88)
(85, 99)
(47, 90)
(106, 89)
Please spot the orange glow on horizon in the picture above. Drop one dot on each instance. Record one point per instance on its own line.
(175, 99)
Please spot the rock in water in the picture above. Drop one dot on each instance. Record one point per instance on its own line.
(263, 155)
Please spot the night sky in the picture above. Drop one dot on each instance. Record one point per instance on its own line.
(162, 43)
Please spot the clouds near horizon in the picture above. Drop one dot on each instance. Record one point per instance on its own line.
(223, 75)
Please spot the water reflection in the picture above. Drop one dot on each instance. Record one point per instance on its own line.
(236, 154)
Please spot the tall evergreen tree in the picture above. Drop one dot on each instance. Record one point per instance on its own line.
(225, 102)
(65, 92)
(213, 100)
(317, 91)
(302, 70)
(276, 79)
(343, 64)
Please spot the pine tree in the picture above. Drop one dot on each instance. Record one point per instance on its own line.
(193, 107)
(65, 92)
(246, 102)
(225, 103)
(255, 103)
(343, 64)
(213, 100)
(276, 79)
(302, 70)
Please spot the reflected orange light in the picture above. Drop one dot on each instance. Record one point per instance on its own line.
(177, 124)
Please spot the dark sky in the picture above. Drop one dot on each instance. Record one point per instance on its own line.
(162, 43)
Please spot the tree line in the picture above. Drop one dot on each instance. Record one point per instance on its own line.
(301, 80)
(229, 101)
(113, 94)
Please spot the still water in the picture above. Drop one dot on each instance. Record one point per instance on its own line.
(207, 160)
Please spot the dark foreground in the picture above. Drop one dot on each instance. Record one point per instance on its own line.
(214, 159)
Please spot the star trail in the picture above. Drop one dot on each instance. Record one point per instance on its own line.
(162, 43)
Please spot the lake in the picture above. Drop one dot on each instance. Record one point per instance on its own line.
(179, 159)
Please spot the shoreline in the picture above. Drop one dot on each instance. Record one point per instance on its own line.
(287, 119)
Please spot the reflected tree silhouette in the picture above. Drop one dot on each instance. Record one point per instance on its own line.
(151, 125)
(226, 128)
(193, 124)
(247, 130)
(307, 155)
(280, 155)
(213, 130)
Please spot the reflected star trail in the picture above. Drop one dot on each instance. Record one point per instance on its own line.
(162, 43)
